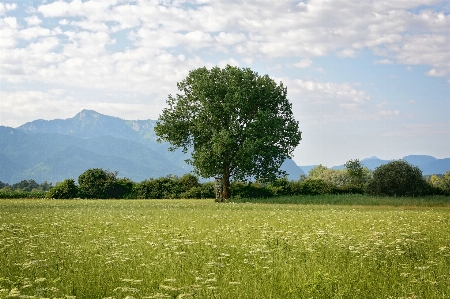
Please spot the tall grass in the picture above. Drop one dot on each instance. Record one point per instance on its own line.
(199, 249)
(352, 199)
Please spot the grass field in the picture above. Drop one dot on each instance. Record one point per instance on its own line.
(200, 249)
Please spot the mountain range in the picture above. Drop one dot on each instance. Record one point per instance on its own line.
(54, 150)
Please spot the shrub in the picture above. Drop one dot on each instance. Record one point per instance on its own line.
(9, 193)
(164, 187)
(99, 183)
(397, 178)
(188, 181)
(350, 189)
(251, 190)
(315, 187)
(120, 188)
(205, 190)
(65, 189)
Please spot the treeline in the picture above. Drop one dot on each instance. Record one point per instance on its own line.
(397, 178)
(25, 189)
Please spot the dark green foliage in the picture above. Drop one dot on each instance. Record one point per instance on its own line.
(2, 185)
(25, 185)
(99, 183)
(64, 190)
(250, 190)
(188, 181)
(205, 190)
(9, 193)
(315, 187)
(239, 124)
(121, 188)
(349, 189)
(165, 187)
(397, 178)
(355, 171)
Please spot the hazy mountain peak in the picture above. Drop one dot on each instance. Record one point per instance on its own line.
(88, 113)
(371, 158)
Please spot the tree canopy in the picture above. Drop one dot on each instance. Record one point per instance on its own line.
(397, 178)
(238, 124)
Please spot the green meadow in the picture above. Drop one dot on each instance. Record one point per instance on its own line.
(201, 249)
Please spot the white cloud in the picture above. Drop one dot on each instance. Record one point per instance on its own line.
(226, 62)
(317, 102)
(6, 7)
(384, 61)
(24, 106)
(33, 21)
(158, 43)
(346, 53)
(304, 63)
(436, 73)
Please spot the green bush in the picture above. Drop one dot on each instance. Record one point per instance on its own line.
(315, 187)
(164, 187)
(250, 190)
(9, 193)
(65, 189)
(188, 181)
(350, 189)
(99, 183)
(205, 190)
(120, 188)
(397, 178)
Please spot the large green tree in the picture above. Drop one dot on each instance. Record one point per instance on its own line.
(239, 124)
(397, 178)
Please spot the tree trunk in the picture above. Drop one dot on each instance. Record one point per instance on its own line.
(226, 185)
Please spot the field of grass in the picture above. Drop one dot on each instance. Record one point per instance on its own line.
(201, 249)
(353, 199)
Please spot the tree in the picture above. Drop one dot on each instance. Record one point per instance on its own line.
(188, 181)
(99, 183)
(2, 185)
(355, 171)
(316, 172)
(25, 185)
(397, 178)
(239, 125)
(65, 189)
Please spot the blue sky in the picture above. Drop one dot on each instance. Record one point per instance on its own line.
(366, 78)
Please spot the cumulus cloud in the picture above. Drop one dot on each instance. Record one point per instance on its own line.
(148, 46)
(24, 106)
(436, 73)
(384, 61)
(304, 63)
(6, 7)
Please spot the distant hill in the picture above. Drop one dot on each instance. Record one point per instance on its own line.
(55, 157)
(54, 150)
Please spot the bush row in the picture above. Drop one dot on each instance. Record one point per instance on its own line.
(8, 193)
(397, 178)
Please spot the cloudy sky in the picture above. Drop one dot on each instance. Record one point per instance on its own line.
(365, 77)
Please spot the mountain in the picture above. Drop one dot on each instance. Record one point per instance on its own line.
(54, 150)
(55, 157)
(90, 124)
